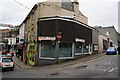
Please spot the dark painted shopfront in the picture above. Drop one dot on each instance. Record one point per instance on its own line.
(76, 39)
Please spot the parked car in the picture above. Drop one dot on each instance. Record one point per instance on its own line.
(3, 53)
(111, 50)
(6, 54)
(6, 63)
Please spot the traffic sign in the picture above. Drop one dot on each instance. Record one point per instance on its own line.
(59, 36)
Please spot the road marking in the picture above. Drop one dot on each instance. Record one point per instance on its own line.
(111, 70)
(104, 70)
(85, 61)
(101, 69)
(87, 67)
(19, 67)
(109, 63)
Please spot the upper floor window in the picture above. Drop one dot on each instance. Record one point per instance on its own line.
(67, 5)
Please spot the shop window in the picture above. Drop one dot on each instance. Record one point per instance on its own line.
(67, 5)
(65, 50)
(78, 48)
(86, 48)
(47, 49)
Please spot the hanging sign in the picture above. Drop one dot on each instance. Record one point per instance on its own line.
(6, 25)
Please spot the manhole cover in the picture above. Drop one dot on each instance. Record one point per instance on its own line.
(81, 67)
(96, 65)
(54, 74)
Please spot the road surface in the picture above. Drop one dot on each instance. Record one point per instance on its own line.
(103, 67)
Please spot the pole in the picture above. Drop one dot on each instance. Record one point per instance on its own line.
(57, 52)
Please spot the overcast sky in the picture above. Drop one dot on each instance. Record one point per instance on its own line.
(99, 12)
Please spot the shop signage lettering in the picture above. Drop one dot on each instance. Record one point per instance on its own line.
(95, 47)
(46, 38)
(79, 40)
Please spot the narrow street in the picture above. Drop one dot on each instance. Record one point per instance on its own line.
(103, 67)
(59, 39)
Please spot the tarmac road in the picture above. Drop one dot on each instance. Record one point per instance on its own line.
(103, 67)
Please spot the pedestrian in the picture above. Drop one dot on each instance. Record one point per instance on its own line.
(118, 50)
(20, 58)
(25, 59)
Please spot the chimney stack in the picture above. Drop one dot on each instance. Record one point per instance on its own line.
(75, 0)
(57, 2)
(76, 5)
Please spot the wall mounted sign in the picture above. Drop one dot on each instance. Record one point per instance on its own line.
(46, 38)
(22, 40)
(6, 30)
(79, 40)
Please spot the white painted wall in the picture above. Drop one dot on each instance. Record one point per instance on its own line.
(11, 41)
(101, 37)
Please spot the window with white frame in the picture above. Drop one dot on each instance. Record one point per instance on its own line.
(86, 48)
(78, 48)
(65, 49)
(47, 49)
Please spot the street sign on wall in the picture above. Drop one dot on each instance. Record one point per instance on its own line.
(22, 40)
(79, 40)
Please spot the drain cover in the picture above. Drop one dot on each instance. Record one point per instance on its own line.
(81, 67)
(54, 74)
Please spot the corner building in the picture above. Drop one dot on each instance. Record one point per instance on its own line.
(48, 19)
(76, 39)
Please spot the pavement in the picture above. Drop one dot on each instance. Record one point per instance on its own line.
(20, 64)
(83, 59)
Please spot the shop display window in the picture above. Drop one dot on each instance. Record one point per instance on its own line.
(47, 49)
(86, 48)
(78, 48)
(65, 49)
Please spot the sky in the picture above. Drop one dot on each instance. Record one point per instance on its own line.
(99, 12)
